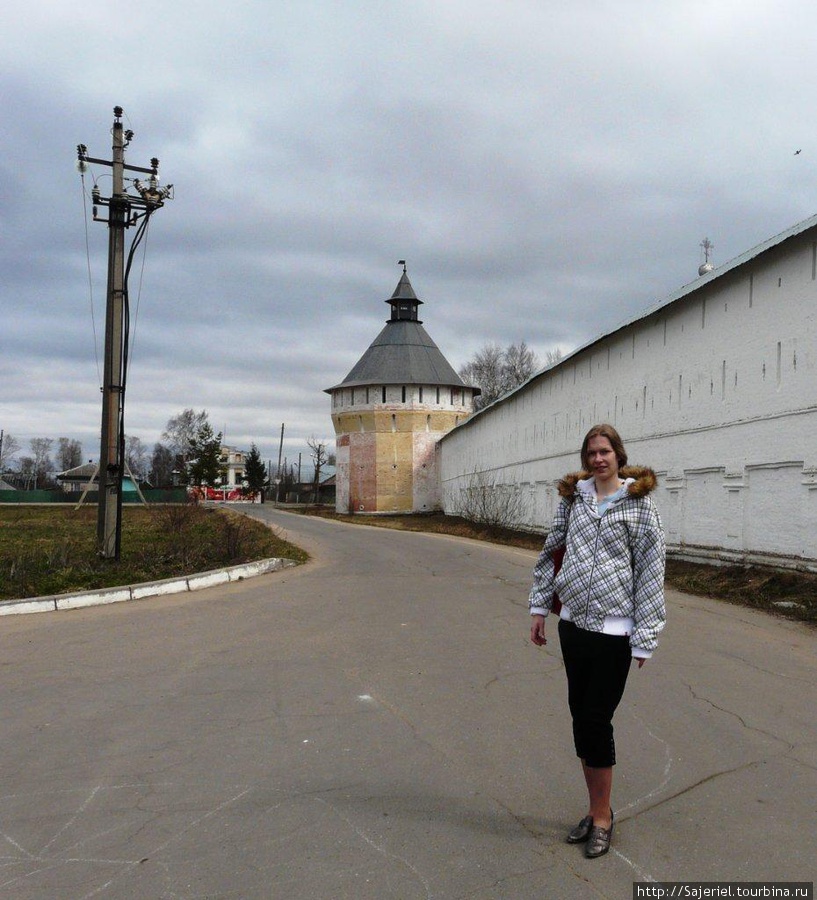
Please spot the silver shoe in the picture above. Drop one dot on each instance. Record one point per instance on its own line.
(598, 841)
(581, 832)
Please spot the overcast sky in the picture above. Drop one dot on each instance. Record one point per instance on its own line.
(548, 170)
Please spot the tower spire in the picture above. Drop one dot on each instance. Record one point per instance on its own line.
(404, 301)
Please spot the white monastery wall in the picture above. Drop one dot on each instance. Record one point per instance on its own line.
(716, 390)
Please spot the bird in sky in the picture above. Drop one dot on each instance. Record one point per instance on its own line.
(797, 151)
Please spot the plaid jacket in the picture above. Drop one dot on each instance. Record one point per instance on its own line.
(613, 565)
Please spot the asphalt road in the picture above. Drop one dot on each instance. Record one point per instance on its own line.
(376, 724)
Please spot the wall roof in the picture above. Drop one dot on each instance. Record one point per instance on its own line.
(720, 271)
(685, 291)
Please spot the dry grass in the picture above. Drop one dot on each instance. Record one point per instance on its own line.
(52, 550)
(792, 595)
(781, 592)
(437, 523)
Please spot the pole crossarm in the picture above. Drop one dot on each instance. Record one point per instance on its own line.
(107, 162)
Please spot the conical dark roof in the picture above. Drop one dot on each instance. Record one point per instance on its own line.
(404, 290)
(403, 352)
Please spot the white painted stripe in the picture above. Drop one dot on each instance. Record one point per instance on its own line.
(18, 607)
(84, 599)
(100, 598)
(159, 588)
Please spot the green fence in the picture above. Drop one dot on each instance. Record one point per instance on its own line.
(173, 495)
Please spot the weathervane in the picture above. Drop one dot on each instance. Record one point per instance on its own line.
(707, 246)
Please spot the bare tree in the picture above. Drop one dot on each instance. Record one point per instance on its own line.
(484, 371)
(320, 458)
(69, 454)
(25, 476)
(496, 370)
(41, 462)
(136, 456)
(9, 445)
(553, 356)
(519, 364)
(182, 431)
(482, 499)
(161, 465)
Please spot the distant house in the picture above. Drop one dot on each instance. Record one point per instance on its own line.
(232, 462)
(80, 478)
(5, 486)
(327, 490)
(304, 492)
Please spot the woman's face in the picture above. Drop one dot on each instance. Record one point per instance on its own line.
(602, 458)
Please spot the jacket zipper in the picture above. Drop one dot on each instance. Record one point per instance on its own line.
(592, 572)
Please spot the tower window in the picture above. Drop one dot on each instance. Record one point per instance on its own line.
(404, 394)
(384, 393)
(421, 393)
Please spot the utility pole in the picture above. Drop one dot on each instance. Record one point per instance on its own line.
(280, 451)
(124, 210)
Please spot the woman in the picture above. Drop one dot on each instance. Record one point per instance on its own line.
(611, 586)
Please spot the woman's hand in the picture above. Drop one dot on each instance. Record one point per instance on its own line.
(537, 630)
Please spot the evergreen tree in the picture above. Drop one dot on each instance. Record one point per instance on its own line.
(255, 472)
(205, 466)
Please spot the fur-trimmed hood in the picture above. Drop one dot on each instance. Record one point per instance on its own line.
(644, 481)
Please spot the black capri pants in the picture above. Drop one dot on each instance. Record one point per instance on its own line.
(597, 666)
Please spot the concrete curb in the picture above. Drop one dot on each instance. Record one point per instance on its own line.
(104, 596)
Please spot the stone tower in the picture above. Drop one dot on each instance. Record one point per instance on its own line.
(389, 412)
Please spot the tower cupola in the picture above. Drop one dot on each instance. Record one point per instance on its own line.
(404, 302)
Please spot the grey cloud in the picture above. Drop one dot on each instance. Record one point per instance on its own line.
(547, 171)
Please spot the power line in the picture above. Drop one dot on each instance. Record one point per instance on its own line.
(90, 279)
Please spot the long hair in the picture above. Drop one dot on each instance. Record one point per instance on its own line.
(616, 443)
